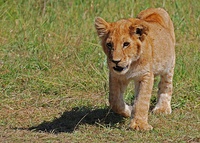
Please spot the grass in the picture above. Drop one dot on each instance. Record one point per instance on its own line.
(54, 79)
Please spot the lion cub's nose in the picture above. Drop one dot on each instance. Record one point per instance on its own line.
(116, 61)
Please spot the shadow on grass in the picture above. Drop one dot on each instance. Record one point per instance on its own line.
(70, 120)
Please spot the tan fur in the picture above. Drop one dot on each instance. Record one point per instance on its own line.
(139, 49)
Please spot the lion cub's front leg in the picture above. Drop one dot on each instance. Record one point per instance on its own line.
(143, 88)
(116, 90)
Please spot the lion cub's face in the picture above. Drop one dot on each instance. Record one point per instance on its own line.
(121, 42)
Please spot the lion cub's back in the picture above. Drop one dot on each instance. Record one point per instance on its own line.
(160, 16)
(161, 34)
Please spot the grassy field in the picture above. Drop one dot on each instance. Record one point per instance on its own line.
(54, 78)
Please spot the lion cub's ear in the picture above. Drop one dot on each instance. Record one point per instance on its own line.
(140, 30)
(101, 26)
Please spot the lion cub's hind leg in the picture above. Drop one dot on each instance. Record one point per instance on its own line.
(164, 94)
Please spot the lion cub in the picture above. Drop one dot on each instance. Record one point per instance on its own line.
(139, 49)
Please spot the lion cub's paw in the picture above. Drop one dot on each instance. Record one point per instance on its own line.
(140, 126)
(162, 110)
(127, 112)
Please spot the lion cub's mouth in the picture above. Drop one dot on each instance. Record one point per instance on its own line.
(120, 69)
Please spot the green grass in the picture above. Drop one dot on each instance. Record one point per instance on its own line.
(54, 78)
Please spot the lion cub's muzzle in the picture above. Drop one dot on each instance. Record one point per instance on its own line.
(119, 68)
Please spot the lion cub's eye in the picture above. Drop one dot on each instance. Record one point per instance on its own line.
(126, 44)
(109, 45)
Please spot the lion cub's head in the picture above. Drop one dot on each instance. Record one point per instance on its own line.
(121, 42)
